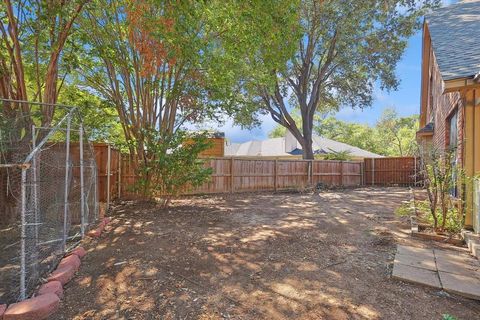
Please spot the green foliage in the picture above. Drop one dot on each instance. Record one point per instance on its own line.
(173, 165)
(446, 316)
(340, 155)
(404, 210)
(355, 134)
(345, 49)
(453, 218)
(391, 136)
(441, 176)
(397, 134)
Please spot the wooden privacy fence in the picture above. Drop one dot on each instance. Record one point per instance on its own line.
(246, 175)
(402, 171)
(116, 173)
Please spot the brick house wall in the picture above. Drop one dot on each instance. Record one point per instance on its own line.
(440, 108)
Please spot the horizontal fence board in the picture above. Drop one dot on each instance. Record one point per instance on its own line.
(392, 171)
(231, 175)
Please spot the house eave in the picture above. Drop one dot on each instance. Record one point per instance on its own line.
(453, 85)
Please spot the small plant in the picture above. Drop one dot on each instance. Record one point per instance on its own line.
(172, 165)
(446, 316)
(453, 220)
(405, 209)
(441, 176)
(338, 155)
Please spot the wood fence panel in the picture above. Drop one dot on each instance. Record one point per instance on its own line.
(101, 157)
(252, 175)
(292, 174)
(352, 173)
(391, 171)
(128, 177)
(220, 179)
(257, 174)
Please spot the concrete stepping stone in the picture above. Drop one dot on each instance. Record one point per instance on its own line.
(37, 308)
(456, 267)
(416, 275)
(51, 287)
(465, 286)
(420, 253)
(455, 256)
(416, 261)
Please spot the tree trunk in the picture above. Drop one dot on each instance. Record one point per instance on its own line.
(307, 144)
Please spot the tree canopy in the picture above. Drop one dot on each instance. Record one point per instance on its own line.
(392, 135)
(163, 63)
(345, 48)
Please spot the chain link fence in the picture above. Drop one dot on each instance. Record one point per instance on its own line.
(48, 193)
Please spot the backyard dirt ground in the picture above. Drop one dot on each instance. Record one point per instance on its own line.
(325, 255)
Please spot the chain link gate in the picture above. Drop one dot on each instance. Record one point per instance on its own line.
(48, 195)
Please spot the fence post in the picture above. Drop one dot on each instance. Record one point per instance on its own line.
(23, 235)
(232, 175)
(415, 170)
(341, 173)
(82, 183)
(362, 173)
(65, 205)
(109, 159)
(275, 175)
(310, 172)
(373, 171)
(119, 174)
(35, 187)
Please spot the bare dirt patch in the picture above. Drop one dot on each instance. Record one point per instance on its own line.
(255, 256)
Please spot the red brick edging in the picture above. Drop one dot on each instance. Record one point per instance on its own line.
(47, 299)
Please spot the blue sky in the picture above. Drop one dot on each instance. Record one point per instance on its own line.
(405, 100)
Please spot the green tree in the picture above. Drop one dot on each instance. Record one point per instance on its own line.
(345, 48)
(37, 54)
(391, 136)
(175, 166)
(355, 134)
(397, 134)
(164, 63)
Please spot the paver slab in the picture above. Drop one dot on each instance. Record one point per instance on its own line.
(456, 256)
(457, 263)
(461, 285)
(456, 267)
(416, 275)
(416, 261)
(416, 252)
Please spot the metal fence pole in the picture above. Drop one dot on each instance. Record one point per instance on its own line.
(65, 205)
(23, 235)
(35, 184)
(82, 183)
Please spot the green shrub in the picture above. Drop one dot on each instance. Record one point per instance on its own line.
(338, 155)
(172, 165)
(405, 210)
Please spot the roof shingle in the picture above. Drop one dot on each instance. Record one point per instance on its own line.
(455, 39)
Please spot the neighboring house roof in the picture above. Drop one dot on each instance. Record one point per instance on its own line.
(275, 147)
(455, 41)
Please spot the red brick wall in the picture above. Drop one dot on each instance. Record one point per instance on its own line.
(440, 107)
